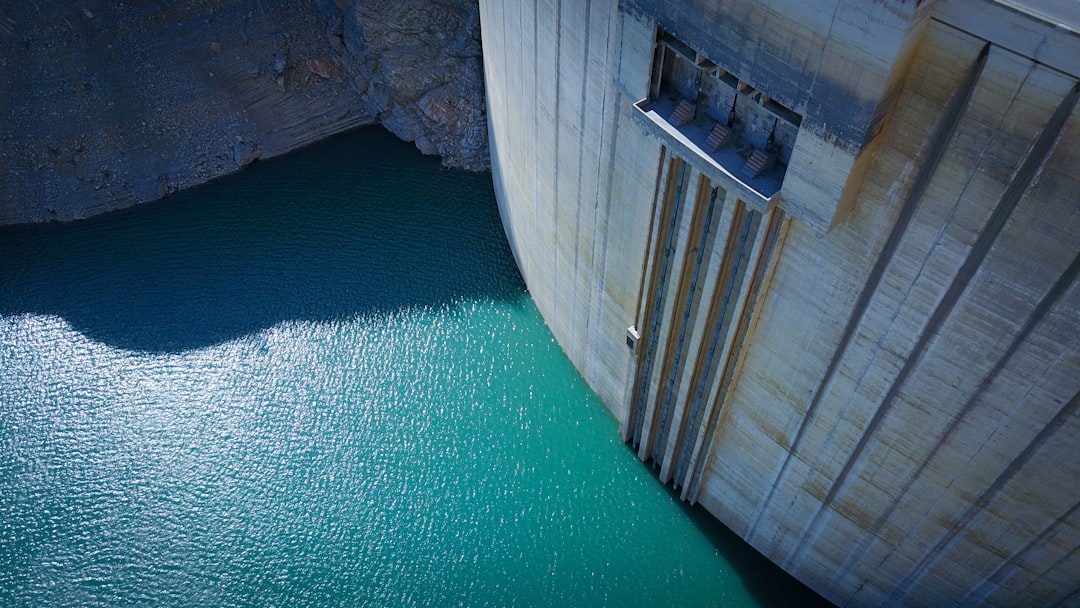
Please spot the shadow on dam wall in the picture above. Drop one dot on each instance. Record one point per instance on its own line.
(358, 225)
(765, 581)
(758, 574)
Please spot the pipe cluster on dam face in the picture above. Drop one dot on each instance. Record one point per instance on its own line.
(821, 263)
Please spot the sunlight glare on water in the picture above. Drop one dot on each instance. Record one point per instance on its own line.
(320, 382)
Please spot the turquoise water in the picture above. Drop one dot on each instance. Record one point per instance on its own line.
(320, 382)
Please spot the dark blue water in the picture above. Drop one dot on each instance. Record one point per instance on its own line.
(320, 382)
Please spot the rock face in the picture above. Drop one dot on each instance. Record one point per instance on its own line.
(105, 105)
(419, 67)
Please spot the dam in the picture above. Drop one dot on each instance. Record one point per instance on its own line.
(820, 261)
(320, 382)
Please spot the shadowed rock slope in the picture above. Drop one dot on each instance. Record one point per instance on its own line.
(106, 105)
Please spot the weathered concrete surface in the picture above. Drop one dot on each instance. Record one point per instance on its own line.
(883, 400)
(104, 105)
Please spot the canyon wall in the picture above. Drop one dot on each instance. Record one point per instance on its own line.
(820, 260)
(419, 69)
(105, 105)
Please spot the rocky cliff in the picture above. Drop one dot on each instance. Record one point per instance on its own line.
(105, 105)
(418, 65)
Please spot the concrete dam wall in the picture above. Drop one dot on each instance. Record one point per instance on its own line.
(820, 260)
(105, 105)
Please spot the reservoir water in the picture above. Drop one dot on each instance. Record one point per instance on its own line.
(320, 382)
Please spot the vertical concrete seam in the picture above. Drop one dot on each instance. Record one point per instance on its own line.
(672, 269)
(739, 340)
(734, 267)
(717, 317)
(996, 579)
(1066, 595)
(704, 370)
(1070, 601)
(680, 274)
(1023, 178)
(556, 312)
(927, 258)
(536, 113)
(959, 523)
(759, 280)
(671, 209)
(943, 134)
(1044, 305)
(644, 314)
(821, 59)
(662, 164)
(579, 208)
(702, 221)
(1010, 198)
(602, 194)
(1070, 554)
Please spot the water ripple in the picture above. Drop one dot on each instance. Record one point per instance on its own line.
(318, 383)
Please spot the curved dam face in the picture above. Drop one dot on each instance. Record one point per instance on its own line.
(820, 261)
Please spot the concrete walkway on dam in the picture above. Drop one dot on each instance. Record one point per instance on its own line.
(728, 159)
